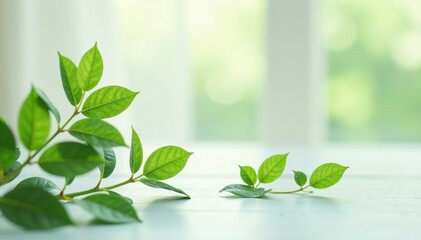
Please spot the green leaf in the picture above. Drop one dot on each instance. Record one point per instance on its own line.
(69, 180)
(90, 69)
(49, 104)
(245, 191)
(248, 174)
(327, 175)
(12, 172)
(300, 178)
(109, 208)
(161, 185)
(129, 200)
(272, 168)
(7, 147)
(108, 102)
(136, 153)
(166, 162)
(97, 133)
(34, 121)
(68, 71)
(38, 182)
(34, 208)
(108, 168)
(70, 159)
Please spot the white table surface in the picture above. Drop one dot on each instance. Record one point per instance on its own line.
(378, 198)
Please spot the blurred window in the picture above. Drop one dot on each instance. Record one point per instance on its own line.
(372, 50)
(228, 57)
(374, 76)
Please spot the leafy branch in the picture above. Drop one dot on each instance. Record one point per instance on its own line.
(324, 176)
(36, 202)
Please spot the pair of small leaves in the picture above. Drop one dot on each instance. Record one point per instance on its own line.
(75, 80)
(324, 176)
(103, 103)
(163, 163)
(270, 170)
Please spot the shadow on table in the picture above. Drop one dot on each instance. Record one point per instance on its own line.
(320, 205)
(299, 203)
(172, 199)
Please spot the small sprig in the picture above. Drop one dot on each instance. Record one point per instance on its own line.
(324, 176)
(36, 202)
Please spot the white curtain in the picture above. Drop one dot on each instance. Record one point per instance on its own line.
(33, 31)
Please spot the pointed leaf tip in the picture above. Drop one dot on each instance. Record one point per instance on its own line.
(162, 185)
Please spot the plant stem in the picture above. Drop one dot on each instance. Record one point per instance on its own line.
(98, 189)
(302, 189)
(64, 188)
(98, 185)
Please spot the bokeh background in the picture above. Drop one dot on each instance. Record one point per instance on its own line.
(277, 72)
